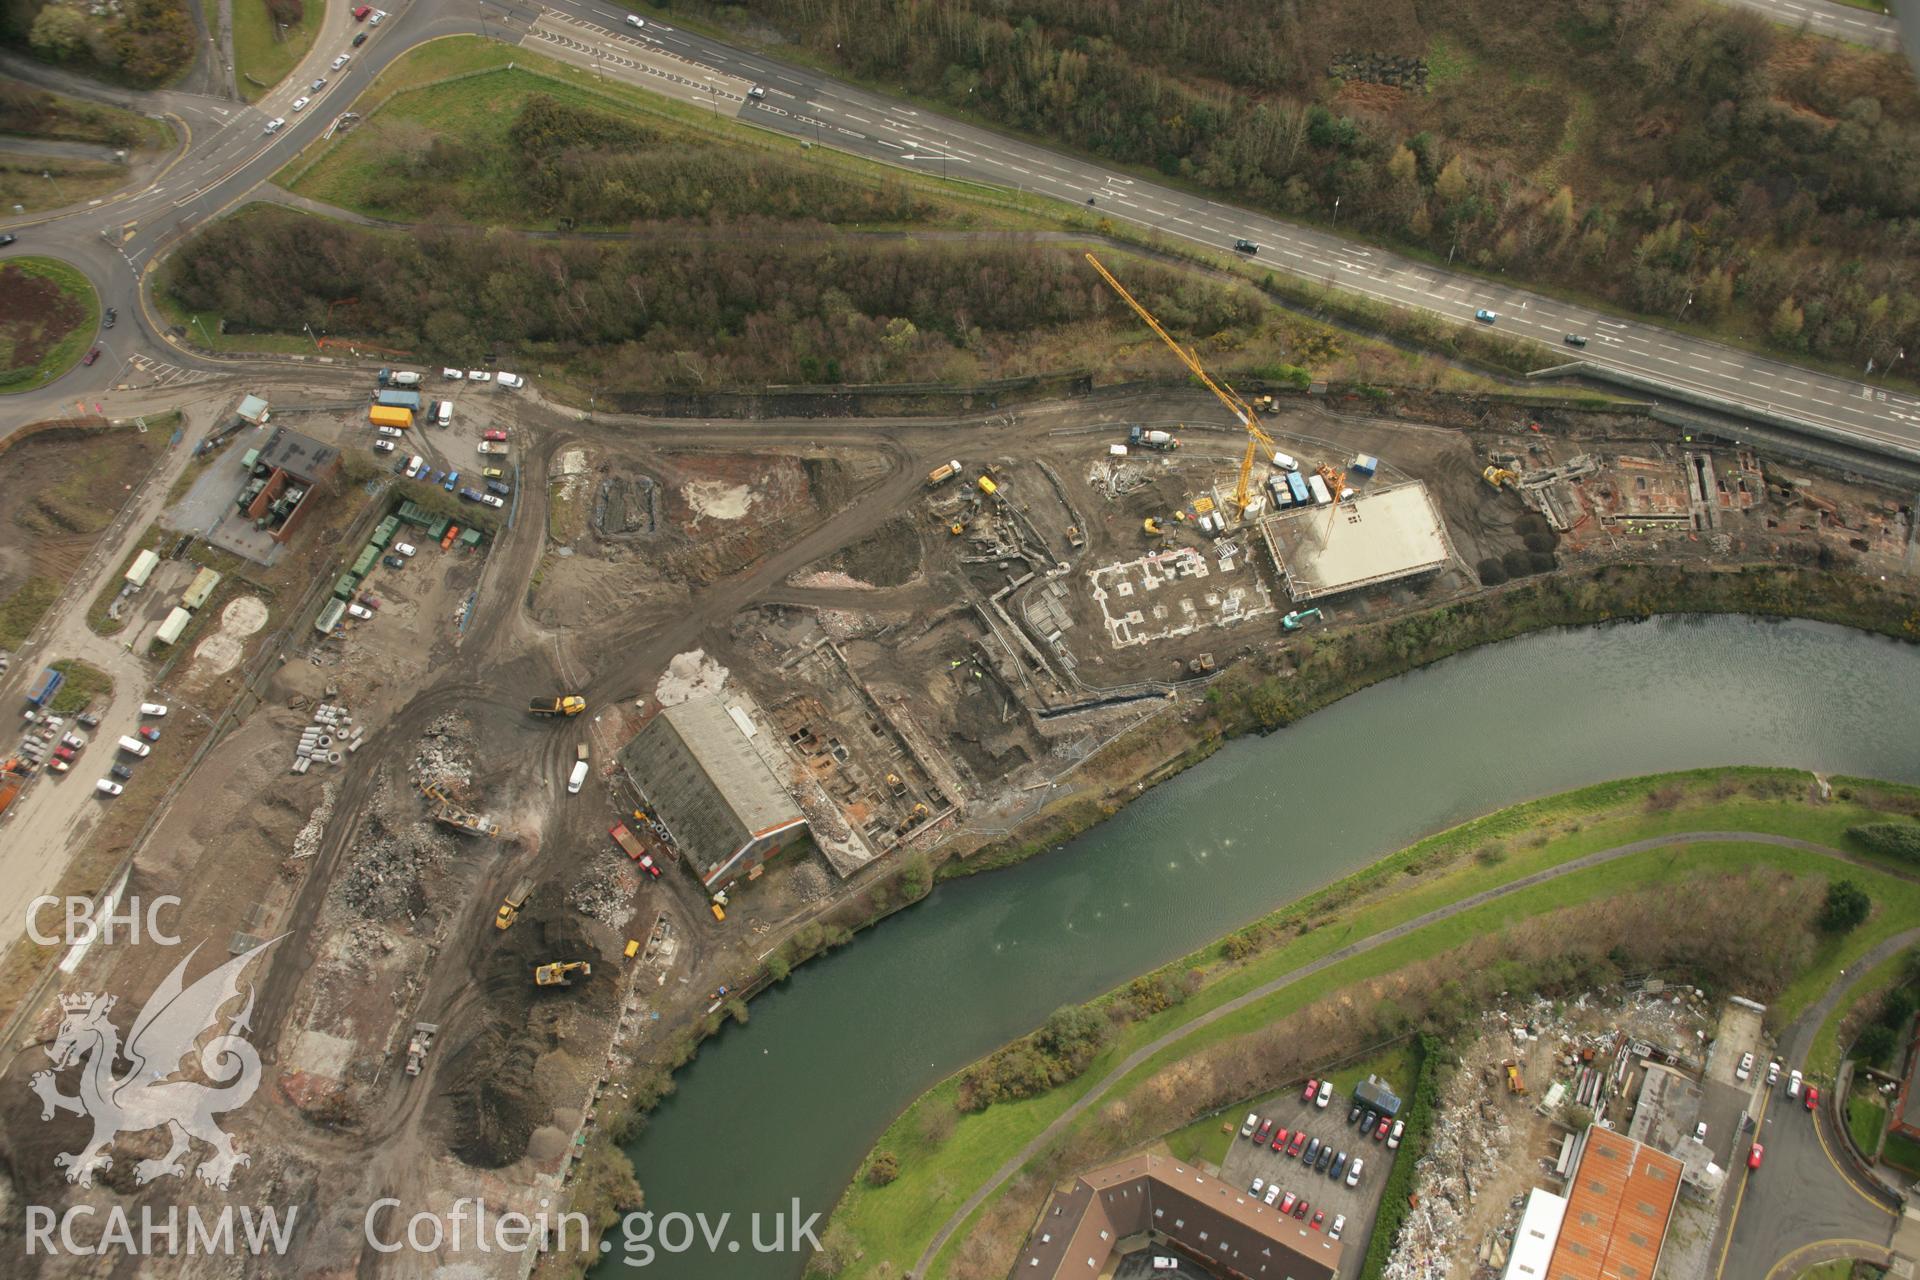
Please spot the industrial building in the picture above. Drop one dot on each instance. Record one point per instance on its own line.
(1619, 1204)
(1145, 1199)
(1374, 1094)
(1534, 1237)
(727, 812)
(1381, 536)
(281, 487)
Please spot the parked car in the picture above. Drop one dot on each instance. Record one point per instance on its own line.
(92, 356)
(1273, 1193)
(383, 446)
(1773, 1072)
(406, 549)
(1353, 1174)
(511, 381)
(1485, 316)
(359, 39)
(1306, 1094)
(500, 487)
(1299, 1142)
(1266, 1127)
(65, 753)
(393, 562)
(1162, 1263)
(151, 732)
(1311, 1153)
(1318, 1218)
(1287, 1202)
(1812, 1097)
(108, 787)
(491, 501)
(1745, 1069)
(59, 766)
(120, 771)
(1381, 1132)
(391, 433)
(452, 481)
(1353, 1116)
(1300, 1209)
(1338, 1167)
(414, 466)
(1326, 1158)
(88, 719)
(479, 375)
(1793, 1083)
(492, 473)
(1574, 340)
(1322, 1098)
(494, 434)
(1339, 1225)
(452, 375)
(1245, 246)
(1279, 1139)
(1755, 1156)
(379, 16)
(577, 778)
(1367, 1118)
(359, 611)
(360, 13)
(154, 709)
(1259, 1185)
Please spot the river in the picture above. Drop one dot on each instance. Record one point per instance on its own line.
(787, 1106)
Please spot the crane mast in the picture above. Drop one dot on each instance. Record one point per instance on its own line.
(1240, 409)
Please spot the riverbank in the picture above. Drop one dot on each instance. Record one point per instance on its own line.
(1485, 876)
(1335, 664)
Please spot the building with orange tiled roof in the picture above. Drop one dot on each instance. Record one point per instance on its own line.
(1619, 1203)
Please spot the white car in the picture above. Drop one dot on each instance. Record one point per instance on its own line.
(577, 778)
(1393, 1139)
(1259, 1185)
(406, 549)
(1353, 1172)
(359, 611)
(1700, 1132)
(300, 103)
(1273, 1194)
(756, 92)
(1339, 1225)
(342, 61)
(155, 709)
(511, 381)
(1773, 1072)
(479, 375)
(1793, 1084)
(1253, 1119)
(444, 414)
(1745, 1069)
(635, 20)
(1325, 1095)
(491, 500)
(415, 465)
(108, 787)
(383, 446)
(391, 433)
(452, 375)
(379, 16)
(276, 124)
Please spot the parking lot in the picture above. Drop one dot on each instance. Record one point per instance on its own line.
(1246, 1161)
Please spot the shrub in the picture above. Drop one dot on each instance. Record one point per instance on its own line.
(1896, 839)
(884, 1169)
(1491, 573)
(1846, 907)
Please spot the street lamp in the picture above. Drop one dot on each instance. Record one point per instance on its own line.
(1336, 211)
(58, 194)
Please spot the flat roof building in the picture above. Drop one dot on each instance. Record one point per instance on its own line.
(1148, 1198)
(1377, 537)
(712, 791)
(1619, 1203)
(1373, 1092)
(143, 566)
(297, 468)
(1535, 1236)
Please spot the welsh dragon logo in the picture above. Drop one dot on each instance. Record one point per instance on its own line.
(146, 1097)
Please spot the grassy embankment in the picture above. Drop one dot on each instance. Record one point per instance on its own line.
(37, 348)
(36, 181)
(1823, 1059)
(263, 54)
(893, 1222)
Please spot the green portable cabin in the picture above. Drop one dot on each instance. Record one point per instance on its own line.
(414, 514)
(383, 534)
(438, 529)
(469, 537)
(344, 585)
(247, 460)
(363, 565)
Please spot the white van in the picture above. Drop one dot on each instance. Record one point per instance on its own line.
(1285, 461)
(134, 747)
(452, 375)
(511, 381)
(577, 778)
(445, 414)
(414, 465)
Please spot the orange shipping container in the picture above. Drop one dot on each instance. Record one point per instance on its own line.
(384, 416)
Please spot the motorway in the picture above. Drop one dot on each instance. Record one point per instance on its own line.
(229, 155)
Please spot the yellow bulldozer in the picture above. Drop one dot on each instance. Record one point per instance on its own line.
(558, 974)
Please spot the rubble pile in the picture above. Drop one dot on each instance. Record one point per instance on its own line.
(445, 758)
(1470, 1140)
(604, 890)
(384, 873)
(809, 882)
(307, 841)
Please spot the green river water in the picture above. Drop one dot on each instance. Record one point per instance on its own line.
(786, 1106)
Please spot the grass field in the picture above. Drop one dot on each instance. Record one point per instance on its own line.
(1823, 1059)
(1866, 1118)
(1902, 1153)
(891, 1224)
(22, 611)
(83, 685)
(262, 57)
(44, 350)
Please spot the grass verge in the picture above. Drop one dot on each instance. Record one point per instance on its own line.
(62, 352)
(1866, 1119)
(84, 683)
(1823, 1059)
(1902, 1152)
(263, 55)
(21, 612)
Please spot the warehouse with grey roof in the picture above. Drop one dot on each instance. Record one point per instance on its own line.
(712, 790)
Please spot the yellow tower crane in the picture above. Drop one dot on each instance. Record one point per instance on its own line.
(1240, 409)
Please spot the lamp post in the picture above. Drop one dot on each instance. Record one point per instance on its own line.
(1336, 211)
(57, 193)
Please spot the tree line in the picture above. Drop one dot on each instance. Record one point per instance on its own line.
(689, 306)
(1677, 159)
(138, 42)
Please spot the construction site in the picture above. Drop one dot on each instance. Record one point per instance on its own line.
(517, 812)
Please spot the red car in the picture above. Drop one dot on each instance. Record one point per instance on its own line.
(1754, 1156)
(1318, 1218)
(495, 434)
(63, 753)
(1286, 1203)
(1306, 1094)
(92, 356)
(1299, 1142)
(360, 14)
(1380, 1134)
(1300, 1210)
(1279, 1139)
(646, 861)
(151, 732)
(1266, 1127)
(1812, 1096)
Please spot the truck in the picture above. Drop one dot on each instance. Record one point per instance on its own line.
(382, 415)
(1297, 483)
(510, 908)
(493, 446)
(566, 704)
(1151, 439)
(944, 472)
(408, 400)
(45, 686)
(1319, 487)
(633, 848)
(419, 1043)
(399, 378)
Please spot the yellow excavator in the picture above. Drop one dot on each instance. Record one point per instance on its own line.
(1242, 411)
(557, 973)
(1500, 478)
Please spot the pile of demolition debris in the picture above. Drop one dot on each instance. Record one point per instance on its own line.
(330, 738)
(307, 842)
(383, 878)
(445, 758)
(604, 889)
